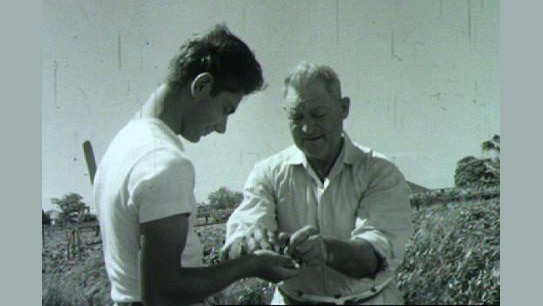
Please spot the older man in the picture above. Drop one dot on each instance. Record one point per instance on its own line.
(342, 209)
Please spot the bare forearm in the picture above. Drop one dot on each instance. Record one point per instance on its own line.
(193, 285)
(356, 258)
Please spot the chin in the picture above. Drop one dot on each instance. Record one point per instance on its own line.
(191, 138)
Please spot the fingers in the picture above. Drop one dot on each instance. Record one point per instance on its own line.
(236, 249)
(308, 247)
(276, 267)
(286, 273)
(311, 253)
(252, 244)
(239, 248)
(257, 239)
(282, 242)
(260, 239)
(274, 258)
(304, 246)
(299, 237)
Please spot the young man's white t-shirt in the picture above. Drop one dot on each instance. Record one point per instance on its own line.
(143, 176)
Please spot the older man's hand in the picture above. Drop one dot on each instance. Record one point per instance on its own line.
(257, 239)
(308, 247)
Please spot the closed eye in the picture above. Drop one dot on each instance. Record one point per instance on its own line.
(318, 113)
(295, 117)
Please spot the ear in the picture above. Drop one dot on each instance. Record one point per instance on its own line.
(201, 86)
(345, 107)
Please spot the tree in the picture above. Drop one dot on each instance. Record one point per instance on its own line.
(224, 198)
(72, 208)
(492, 145)
(478, 172)
(45, 218)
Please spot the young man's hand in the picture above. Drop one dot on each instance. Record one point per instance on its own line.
(274, 267)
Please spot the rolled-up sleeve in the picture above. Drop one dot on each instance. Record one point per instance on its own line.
(257, 208)
(384, 216)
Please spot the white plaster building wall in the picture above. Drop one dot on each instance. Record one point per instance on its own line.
(422, 75)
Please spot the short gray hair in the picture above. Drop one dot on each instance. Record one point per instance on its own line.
(306, 73)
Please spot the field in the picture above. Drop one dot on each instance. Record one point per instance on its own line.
(453, 258)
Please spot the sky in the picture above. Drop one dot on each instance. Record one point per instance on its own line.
(423, 79)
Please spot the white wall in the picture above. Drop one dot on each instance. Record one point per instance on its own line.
(423, 77)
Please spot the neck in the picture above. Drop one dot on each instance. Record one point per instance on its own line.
(323, 167)
(154, 106)
(166, 105)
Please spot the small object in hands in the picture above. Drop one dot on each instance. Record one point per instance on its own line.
(295, 265)
(284, 241)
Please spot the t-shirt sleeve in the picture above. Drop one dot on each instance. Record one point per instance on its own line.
(161, 184)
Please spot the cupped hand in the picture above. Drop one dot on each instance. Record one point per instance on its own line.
(308, 247)
(257, 239)
(274, 267)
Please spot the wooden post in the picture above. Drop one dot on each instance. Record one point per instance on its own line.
(89, 158)
(91, 165)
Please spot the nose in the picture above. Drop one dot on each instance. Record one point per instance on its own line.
(221, 127)
(307, 127)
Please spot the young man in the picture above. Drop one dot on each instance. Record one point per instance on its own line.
(343, 209)
(145, 182)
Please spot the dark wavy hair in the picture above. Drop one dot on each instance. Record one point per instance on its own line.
(221, 53)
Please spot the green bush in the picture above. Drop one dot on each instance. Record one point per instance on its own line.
(88, 217)
(81, 281)
(454, 255)
(224, 198)
(477, 172)
(452, 258)
(72, 208)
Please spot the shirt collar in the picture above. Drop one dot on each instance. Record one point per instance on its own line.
(352, 154)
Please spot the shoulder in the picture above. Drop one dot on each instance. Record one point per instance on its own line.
(370, 161)
(165, 160)
(278, 161)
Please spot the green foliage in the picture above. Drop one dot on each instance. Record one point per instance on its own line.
(88, 217)
(454, 255)
(45, 218)
(258, 292)
(453, 258)
(78, 282)
(72, 208)
(224, 198)
(448, 195)
(492, 144)
(478, 172)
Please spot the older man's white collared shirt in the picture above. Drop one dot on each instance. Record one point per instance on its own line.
(364, 196)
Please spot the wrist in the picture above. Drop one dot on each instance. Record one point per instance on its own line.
(252, 265)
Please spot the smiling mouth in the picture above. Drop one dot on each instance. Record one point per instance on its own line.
(313, 138)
